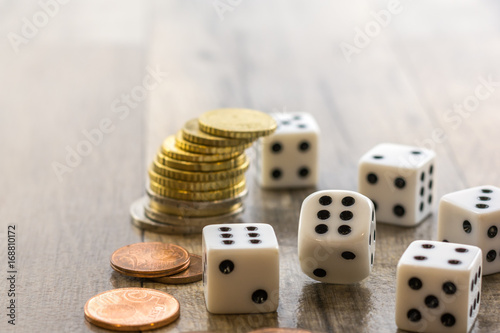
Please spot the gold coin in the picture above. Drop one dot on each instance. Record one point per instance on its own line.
(201, 166)
(156, 212)
(132, 309)
(149, 259)
(194, 186)
(200, 149)
(226, 193)
(191, 132)
(154, 206)
(185, 209)
(237, 123)
(192, 176)
(192, 274)
(169, 149)
(197, 205)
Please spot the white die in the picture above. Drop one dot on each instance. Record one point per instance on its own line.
(438, 287)
(399, 180)
(337, 236)
(472, 217)
(240, 268)
(289, 157)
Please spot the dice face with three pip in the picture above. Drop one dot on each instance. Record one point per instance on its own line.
(240, 268)
(289, 157)
(472, 216)
(400, 181)
(438, 287)
(337, 236)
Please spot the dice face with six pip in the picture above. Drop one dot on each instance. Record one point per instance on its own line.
(399, 181)
(240, 268)
(472, 216)
(289, 157)
(336, 241)
(438, 287)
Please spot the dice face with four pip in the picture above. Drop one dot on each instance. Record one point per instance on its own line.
(289, 157)
(400, 181)
(240, 268)
(336, 241)
(438, 287)
(472, 216)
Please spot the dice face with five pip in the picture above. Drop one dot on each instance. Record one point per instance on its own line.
(438, 287)
(289, 157)
(400, 181)
(472, 216)
(336, 241)
(240, 268)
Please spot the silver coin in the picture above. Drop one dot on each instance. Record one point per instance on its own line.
(204, 205)
(193, 221)
(139, 219)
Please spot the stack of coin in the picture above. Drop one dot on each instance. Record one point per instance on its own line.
(161, 262)
(198, 176)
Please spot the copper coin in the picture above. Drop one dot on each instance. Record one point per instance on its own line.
(192, 274)
(132, 309)
(139, 275)
(281, 330)
(151, 260)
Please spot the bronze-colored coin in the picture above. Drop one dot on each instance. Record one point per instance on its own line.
(201, 166)
(139, 275)
(153, 259)
(194, 186)
(190, 225)
(169, 149)
(132, 309)
(280, 330)
(226, 193)
(192, 274)
(191, 132)
(192, 176)
(200, 149)
(237, 123)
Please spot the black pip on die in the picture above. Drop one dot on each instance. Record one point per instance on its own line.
(472, 216)
(240, 268)
(438, 287)
(289, 157)
(400, 181)
(337, 236)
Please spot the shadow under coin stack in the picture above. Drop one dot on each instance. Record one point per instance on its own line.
(198, 176)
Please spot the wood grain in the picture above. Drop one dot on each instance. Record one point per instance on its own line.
(275, 56)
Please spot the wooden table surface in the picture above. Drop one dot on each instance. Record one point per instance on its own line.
(427, 75)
